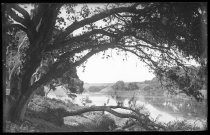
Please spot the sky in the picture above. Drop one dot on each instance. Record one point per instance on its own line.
(111, 70)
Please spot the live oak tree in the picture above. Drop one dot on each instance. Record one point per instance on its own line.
(63, 36)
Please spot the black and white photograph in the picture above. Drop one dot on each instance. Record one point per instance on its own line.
(104, 67)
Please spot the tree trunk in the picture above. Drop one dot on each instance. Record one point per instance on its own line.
(20, 94)
(4, 91)
(11, 99)
(19, 109)
(15, 108)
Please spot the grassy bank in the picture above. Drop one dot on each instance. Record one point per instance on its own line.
(44, 115)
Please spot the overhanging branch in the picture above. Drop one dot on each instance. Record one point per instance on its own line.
(79, 38)
(141, 45)
(22, 11)
(55, 72)
(88, 55)
(131, 52)
(94, 18)
(17, 18)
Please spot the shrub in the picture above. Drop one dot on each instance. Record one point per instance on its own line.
(132, 86)
(41, 92)
(20, 127)
(53, 115)
(100, 123)
(104, 123)
(47, 109)
(181, 126)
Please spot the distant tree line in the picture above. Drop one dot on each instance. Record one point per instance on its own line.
(120, 85)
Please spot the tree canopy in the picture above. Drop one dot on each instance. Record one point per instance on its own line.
(119, 85)
(63, 36)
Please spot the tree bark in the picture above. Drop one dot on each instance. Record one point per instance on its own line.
(15, 108)
(19, 109)
(19, 90)
(142, 119)
(15, 99)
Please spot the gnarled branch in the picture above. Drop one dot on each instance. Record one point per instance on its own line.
(17, 18)
(144, 121)
(78, 38)
(22, 11)
(94, 18)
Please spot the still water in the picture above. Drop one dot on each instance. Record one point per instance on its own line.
(98, 99)
(163, 117)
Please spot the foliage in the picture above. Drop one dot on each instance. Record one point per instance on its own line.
(15, 52)
(51, 115)
(181, 126)
(188, 81)
(176, 24)
(70, 81)
(41, 92)
(132, 86)
(102, 123)
(20, 127)
(47, 109)
(48, 102)
(176, 80)
(119, 85)
(134, 127)
(171, 126)
(105, 123)
(74, 85)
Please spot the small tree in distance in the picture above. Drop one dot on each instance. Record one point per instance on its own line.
(132, 86)
(119, 85)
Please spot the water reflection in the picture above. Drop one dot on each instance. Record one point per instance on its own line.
(98, 99)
